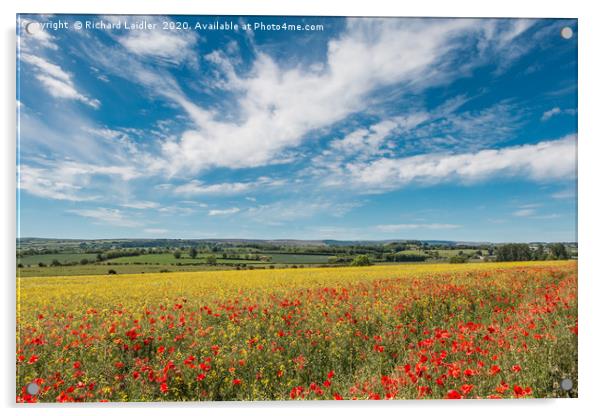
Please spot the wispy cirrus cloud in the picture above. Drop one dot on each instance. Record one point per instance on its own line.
(57, 81)
(415, 53)
(168, 46)
(543, 161)
(290, 210)
(197, 187)
(68, 180)
(393, 228)
(221, 212)
(110, 216)
(39, 182)
(556, 111)
(565, 194)
(524, 212)
(141, 205)
(156, 231)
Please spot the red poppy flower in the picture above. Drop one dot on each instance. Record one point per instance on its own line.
(494, 369)
(467, 388)
(453, 394)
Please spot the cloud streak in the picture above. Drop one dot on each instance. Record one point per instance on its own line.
(57, 82)
(393, 228)
(543, 161)
(220, 212)
(110, 216)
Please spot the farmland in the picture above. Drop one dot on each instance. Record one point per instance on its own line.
(51, 257)
(413, 331)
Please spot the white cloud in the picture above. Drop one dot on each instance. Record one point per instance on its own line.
(393, 228)
(227, 211)
(155, 230)
(172, 46)
(71, 169)
(176, 210)
(106, 215)
(38, 182)
(369, 141)
(547, 217)
(555, 112)
(56, 81)
(140, 205)
(565, 194)
(550, 113)
(163, 186)
(278, 106)
(529, 211)
(524, 212)
(291, 210)
(543, 161)
(196, 187)
(67, 180)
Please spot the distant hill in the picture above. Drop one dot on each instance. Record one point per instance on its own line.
(150, 242)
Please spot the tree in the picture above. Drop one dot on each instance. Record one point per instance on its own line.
(55, 263)
(457, 259)
(177, 254)
(514, 252)
(409, 257)
(361, 260)
(539, 254)
(558, 251)
(211, 260)
(193, 252)
(84, 261)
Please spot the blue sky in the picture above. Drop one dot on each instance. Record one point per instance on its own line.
(451, 129)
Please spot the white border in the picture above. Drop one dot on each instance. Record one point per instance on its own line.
(590, 209)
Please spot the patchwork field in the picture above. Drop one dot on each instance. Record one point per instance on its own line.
(487, 330)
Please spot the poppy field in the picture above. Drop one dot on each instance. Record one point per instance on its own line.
(431, 331)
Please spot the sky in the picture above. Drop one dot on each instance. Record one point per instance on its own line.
(360, 129)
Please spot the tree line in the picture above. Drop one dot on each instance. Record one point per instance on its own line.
(524, 252)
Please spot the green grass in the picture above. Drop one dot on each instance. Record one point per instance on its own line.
(287, 258)
(100, 269)
(162, 259)
(443, 253)
(47, 258)
(169, 259)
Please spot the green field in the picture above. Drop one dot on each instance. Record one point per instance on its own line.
(444, 253)
(62, 257)
(103, 269)
(168, 258)
(287, 258)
